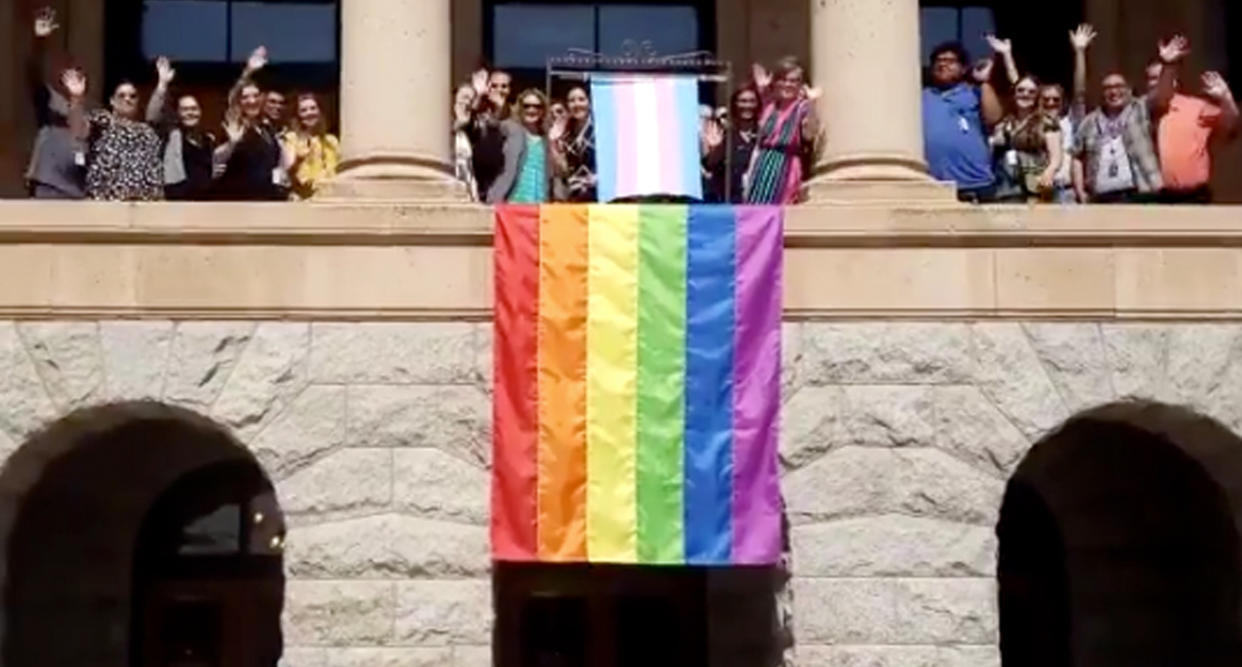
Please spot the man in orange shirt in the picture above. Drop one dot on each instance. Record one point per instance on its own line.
(1185, 134)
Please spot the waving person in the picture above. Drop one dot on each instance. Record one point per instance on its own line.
(311, 154)
(57, 166)
(124, 160)
(188, 148)
(788, 126)
(252, 157)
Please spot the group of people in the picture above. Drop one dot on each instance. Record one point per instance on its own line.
(1153, 147)
(119, 154)
(532, 149)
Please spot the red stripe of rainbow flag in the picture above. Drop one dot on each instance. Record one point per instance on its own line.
(637, 384)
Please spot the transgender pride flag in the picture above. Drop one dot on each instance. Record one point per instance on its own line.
(646, 135)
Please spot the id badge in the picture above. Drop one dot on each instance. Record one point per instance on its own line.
(278, 176)
(963, 123)
(79, 158)
(1113, 169)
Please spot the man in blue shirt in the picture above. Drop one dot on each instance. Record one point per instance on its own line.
(957, 117)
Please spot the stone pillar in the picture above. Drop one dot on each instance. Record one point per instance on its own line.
(865, 59)
(396, 115)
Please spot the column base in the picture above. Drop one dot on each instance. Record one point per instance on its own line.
(881, 192)
(394, 190)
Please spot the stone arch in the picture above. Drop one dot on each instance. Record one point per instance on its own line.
(73, 501)
(1120, 542)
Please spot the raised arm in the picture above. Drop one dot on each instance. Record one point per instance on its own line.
(75, 84)
(37, 64)
(1172, 53)
(1215, 86)
(1080, 40)
(155, 106)
(234, 130)
(1004, 49)
(256, 62)
(762, 79)
(990, 107)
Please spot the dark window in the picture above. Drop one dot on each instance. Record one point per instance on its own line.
(966, 24)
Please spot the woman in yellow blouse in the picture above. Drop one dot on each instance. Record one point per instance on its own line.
(311, 154)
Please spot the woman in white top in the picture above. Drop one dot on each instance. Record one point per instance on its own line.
(463, 157)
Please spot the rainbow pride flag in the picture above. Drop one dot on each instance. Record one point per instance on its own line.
(637, 384)
(646, 135)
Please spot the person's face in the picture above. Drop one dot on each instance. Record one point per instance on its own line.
(1153, 75)
(308, 112)
(1116, 91)
(747, 106)
(532, 111)
(188, 111)
(274, 107)
(789, 87)
(558, 111)
(1050, 101)
(1025, 94)
(251, 102)
(125, 100)
(579, 104)
(947, 69)
(500, 85)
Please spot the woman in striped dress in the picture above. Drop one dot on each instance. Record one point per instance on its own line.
(788, 126)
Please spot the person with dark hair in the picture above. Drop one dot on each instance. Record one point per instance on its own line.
(188, 159)
(741, 124)
(311, 153)
(957, 115)
(251, 156)
(274, 110)
(57, 167)
(788, 129)
(1115, 158)
(575, 150)
(1185, 132)
(487, 131)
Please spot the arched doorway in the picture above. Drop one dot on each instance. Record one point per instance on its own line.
(1119, 545)
(139, 489)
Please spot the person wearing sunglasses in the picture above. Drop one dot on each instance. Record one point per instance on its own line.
(1028, 146)
(960, 106)
(526, 176)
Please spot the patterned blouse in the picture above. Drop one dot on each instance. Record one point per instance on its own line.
(125, 160)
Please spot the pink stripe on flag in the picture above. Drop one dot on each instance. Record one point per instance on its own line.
(627, 137)
(669, 128)
(757, 385)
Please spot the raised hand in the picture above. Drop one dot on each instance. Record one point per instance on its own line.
(711, 135)
(811, 94)
(74, 82)
(1174, 50)
(1000, 46)
(983, 70)
(479, 82)
(558, 130)
(761, 75)
(45, 22)
(164, 70)
(1082, 36)
(257, 60)
(234, 129)
(1215, 86)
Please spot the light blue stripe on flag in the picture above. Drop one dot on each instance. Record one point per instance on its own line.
(604, 107)
(686, 94)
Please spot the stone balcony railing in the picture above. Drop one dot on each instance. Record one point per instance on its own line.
(419, 262)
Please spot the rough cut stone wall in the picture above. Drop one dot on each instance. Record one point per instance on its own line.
(898, 439)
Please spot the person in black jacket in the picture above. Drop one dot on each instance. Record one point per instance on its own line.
(188, 149)
(251, 155)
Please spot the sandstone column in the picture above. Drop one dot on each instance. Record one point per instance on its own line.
(865, 59)
(396, 62)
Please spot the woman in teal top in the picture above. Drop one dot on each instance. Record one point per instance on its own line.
(529, 165)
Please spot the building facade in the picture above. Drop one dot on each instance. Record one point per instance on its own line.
(1007, 431)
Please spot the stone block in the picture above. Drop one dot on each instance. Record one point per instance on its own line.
(444, 613)
(202, 358)
(862, 481)
(472, 656)
(393, 353)
(811, 425)
(135, 355)
(269, 374)
(67, 356)
(310, 428)
(24, 404)
(1137, 355)
(895, 611)
(1074, 357)
(889, 416)
(886, 353)
(483, 334)
(968, 426)
(304, 657)
(390, 657)
(1011, 375)
(338, 613)
(430, 483)
(453, 419)
(893, 546)
(791, 358)
(387, 547)
(346, 481)
(897, 656)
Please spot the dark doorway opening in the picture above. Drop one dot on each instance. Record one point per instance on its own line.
(566, 615)
(1117, 549)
